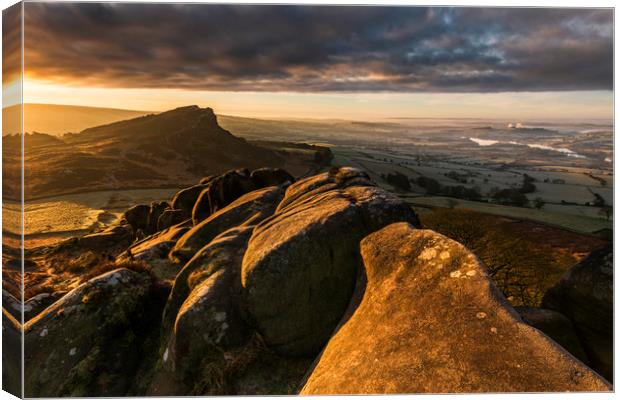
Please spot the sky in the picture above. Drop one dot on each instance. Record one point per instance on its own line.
(319, 61)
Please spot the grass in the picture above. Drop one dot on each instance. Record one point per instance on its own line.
(75, 271)
(565, 220)
(523, 266)
(137, 266)
(251, 369)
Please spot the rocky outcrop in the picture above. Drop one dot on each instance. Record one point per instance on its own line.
(34, 305)
(308, 253)
(585, 295)
(555, 325)
(249, 209)
(111, 238)
(199, 201)
(202, 317)
(174, 147)
(264, 177)
(87, 343)
(430, 320)
(185, 199)
(156, 210)
(11, 354)
(154, 250)
(137, 216)
(170, 217)
(236, 289)
(226, 188)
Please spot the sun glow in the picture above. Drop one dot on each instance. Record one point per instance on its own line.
(12, 93)
(353, 105)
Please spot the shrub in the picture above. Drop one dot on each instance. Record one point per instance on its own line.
(522, 269)
(431, 185)
(512, 197)
(398, 180)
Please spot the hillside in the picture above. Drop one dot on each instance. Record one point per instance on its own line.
(169, 149)
(57, 119)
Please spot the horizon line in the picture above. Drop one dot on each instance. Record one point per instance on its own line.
(611, 118)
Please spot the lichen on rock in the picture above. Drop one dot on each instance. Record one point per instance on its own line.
(417, 329)
(80, 338)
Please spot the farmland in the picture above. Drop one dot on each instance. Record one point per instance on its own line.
(567, 194)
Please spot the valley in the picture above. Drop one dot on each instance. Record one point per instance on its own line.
(567, 196)
(467, 162)
(463, 164)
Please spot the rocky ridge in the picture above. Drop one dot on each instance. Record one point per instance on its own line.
(171, 148)
(254, 283)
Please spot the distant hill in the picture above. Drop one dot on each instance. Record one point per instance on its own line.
(170, 149)
(57, 119)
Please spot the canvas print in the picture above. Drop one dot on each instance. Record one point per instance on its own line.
(228, 199)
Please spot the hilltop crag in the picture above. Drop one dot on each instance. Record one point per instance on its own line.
(169, 149)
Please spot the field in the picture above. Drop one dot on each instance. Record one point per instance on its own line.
(564, 201)
(52, 219)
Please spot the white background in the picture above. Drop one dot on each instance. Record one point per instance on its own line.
(496, 3)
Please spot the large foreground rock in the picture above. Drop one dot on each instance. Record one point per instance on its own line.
(585, 295)
(555, 325)
(207, 347)
(300, 266)
(87, 343)
(431, 321)
(224, 253)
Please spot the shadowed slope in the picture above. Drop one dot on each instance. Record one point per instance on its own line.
(172, 148)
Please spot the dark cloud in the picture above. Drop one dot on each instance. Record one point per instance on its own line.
(320, 48)
(11, 42)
